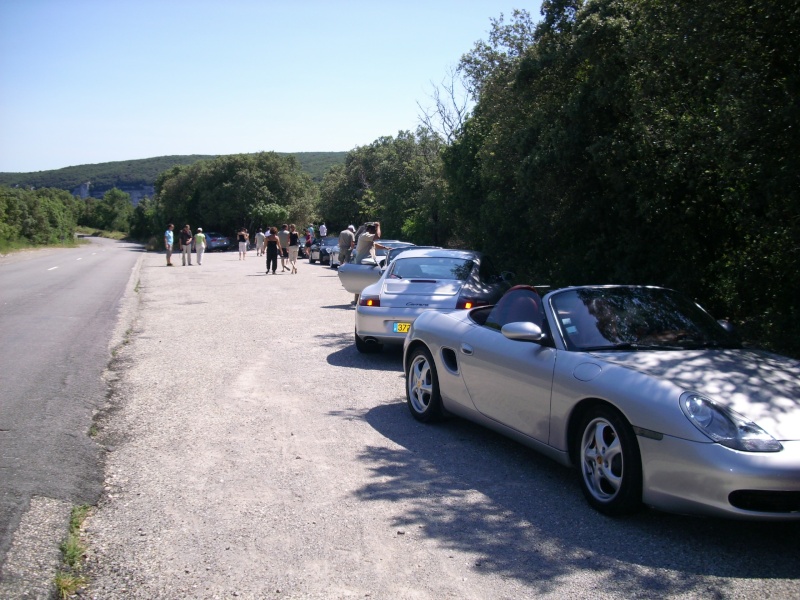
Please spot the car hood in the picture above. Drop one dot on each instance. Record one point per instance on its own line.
(763, 387)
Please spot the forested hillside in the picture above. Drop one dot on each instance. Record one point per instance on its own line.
(105, 176)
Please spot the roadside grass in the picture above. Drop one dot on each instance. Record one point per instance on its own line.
(7, 247)
(70, 577)
(112, 235)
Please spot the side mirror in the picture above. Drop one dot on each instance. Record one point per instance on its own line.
(524, 331)
(727, 326)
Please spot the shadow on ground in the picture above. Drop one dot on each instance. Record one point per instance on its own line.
(525, 518)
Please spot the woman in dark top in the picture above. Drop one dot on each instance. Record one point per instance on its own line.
(273, 247)
(243, 236)
(293, 247)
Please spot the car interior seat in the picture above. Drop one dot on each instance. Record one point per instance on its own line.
(520, 303)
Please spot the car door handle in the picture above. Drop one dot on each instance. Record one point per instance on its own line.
(466, 349)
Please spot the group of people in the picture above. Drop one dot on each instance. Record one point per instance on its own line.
(364, 246)
(274, 244)
(186, 239)
(284, 244)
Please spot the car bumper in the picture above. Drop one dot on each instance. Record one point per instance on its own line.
(378, 322)
(709, 479)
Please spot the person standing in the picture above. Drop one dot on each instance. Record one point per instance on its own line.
(273, 248)
(323, 230)
(243, 236)
(347, 240)
(186, 245)
(283, 236)
(260, 237)
(309, 241)
(294, 246)
(168, 241)
(200, 244)
(366, 242)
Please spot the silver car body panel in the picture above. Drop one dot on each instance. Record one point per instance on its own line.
(531, 392)
(355, 278)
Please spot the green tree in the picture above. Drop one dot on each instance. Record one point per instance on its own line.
(641, 141)
(37, 217)
(398, 181)
(243, 190)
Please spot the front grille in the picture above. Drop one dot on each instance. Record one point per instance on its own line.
(766, 501)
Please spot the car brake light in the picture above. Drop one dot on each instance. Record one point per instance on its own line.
(369, 301)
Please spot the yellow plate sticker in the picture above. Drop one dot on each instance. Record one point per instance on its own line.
(401, 327)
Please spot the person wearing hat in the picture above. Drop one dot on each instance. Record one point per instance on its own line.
(347, 241)
(200, 244)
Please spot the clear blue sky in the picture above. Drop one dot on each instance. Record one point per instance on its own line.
(90, 81)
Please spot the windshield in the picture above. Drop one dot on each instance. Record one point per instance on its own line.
(631, 318)
(429, 267)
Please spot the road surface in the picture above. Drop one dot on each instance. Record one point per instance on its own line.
(58, 309)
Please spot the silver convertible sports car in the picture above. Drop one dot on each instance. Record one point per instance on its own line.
(653, 401)
(420, 280)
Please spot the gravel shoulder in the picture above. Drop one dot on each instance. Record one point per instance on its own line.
(254, 453)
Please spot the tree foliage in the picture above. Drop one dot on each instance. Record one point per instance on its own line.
(37, 217)
(114, 212)
(641, 141)
(398, 181)
(241, 190)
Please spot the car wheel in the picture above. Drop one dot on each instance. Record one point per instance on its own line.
(610, 463)
(311, 260)
(422, 387)
(366, 347)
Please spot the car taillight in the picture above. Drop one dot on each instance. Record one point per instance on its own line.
(369, 301)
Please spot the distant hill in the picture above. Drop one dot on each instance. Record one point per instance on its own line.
(137, 177)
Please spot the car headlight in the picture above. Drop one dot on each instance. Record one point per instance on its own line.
(726, 426)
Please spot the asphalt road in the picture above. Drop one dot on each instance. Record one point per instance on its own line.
(58, 309)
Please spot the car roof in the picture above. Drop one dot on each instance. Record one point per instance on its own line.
(438, 253)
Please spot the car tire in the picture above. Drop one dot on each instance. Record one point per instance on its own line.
(366, 347)
(311, 260)
(422, 387)
(610, 464)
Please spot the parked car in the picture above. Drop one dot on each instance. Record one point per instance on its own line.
(217, 241)
(321, 250)
(650, 398)
(420, 280)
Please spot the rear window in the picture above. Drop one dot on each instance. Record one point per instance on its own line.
(431, 268)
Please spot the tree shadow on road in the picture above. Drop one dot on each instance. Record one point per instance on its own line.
(524, 517)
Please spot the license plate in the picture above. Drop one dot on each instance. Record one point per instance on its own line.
(401, 327)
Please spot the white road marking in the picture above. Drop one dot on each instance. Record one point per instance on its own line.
(51, 268)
